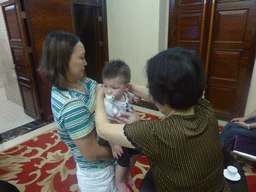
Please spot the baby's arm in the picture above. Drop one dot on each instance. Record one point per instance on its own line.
(117, 150)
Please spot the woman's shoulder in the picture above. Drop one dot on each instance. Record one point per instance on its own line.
(64, 98)
(203, 101)
(59, 94)
(90, 82)
(203, 104)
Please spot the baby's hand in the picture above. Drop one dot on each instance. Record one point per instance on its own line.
(136, 98)
(117, 150)
(127, 118)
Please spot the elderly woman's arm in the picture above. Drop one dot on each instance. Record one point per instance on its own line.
(140, 91)
(106, 130)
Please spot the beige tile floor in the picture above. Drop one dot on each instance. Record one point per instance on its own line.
(11, 114)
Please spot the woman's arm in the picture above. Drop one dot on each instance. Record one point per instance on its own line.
(140, 91)
(242, 119)
(245, 125)
(91, 150)
(106, 130)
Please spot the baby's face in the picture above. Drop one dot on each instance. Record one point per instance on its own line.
(115, 87)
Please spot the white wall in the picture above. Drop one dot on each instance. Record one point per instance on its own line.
(251, 100)
(133, 33)
(137, 30)
(7, 72)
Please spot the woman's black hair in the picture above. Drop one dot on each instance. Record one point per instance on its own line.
(57, 50)
(176, 77)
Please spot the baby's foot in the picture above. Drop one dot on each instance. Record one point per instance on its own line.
(121, 187)
(129, 180)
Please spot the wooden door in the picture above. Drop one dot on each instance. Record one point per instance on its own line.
(231, 56)
(189, 24)
(90, 24)
(15, 20)
(223, 35)
(45, 17)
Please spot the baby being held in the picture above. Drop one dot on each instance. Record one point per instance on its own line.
(116, 78)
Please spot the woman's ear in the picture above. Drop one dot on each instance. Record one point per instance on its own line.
(127, 86)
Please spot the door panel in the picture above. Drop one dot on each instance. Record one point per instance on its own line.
(22, 60)
(45, 17)
(223, 97)
(229, 66)
(223, 35)
(27, 96)
(187, 22)
(226, 65)
(189, 25)
(231, 26)
(12, 20)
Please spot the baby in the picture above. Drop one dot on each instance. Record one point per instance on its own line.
(116, 78)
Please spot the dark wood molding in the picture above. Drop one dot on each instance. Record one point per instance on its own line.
(146, 104)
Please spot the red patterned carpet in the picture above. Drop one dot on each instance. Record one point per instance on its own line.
(44, 163)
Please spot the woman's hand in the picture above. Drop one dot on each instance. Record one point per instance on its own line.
(127, 118)
(241, 124)
(238, 119)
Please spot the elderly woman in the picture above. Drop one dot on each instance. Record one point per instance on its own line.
(184, 149)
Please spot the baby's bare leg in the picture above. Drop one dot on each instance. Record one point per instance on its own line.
(121, 174)
(132, 163)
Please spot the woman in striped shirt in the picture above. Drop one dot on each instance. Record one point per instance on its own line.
(73, 102)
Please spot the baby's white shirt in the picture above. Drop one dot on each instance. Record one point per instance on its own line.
(115, 108)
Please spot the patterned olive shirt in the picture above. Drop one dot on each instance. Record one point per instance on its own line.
(184, 151)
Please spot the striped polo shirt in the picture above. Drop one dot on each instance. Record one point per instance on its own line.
(73, 114)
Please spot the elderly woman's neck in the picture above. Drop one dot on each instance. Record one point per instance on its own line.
(189, 111)
(168, 111)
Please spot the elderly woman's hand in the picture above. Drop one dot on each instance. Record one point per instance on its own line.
(127, 118)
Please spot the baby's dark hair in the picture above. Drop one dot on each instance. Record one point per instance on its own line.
(117, 68)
